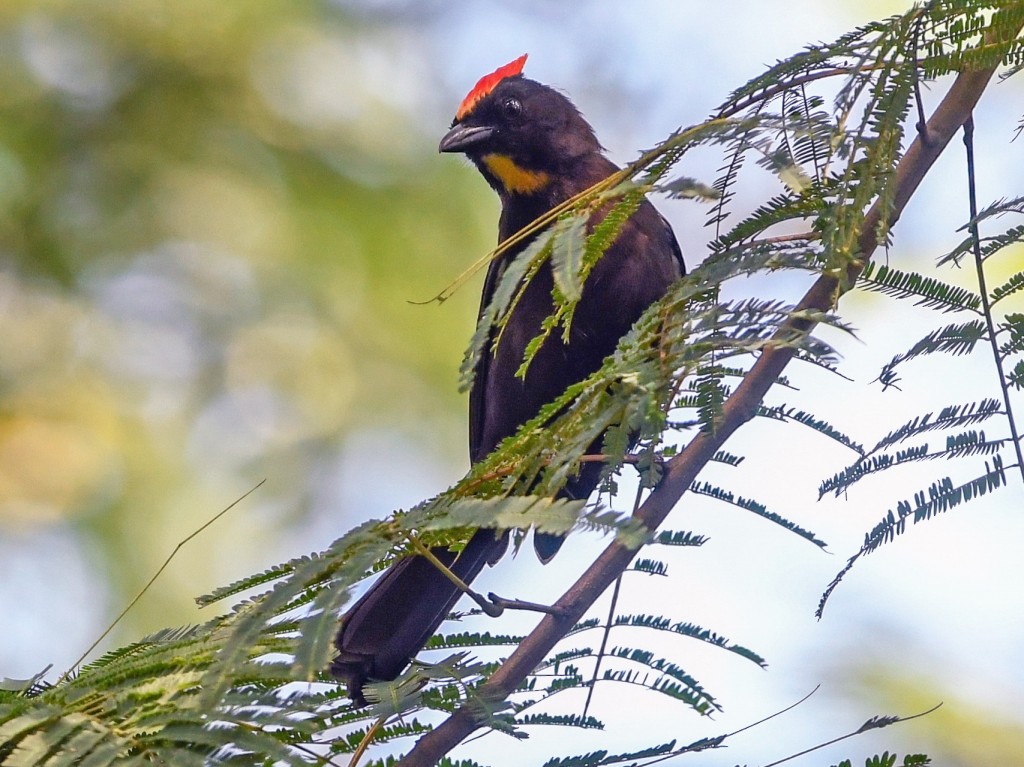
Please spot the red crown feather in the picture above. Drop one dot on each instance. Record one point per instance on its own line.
(487, 83)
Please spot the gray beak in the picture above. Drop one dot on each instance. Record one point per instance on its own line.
(463, 137)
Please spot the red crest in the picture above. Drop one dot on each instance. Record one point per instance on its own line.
(487, 83)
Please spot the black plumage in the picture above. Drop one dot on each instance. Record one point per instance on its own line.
(536, 150)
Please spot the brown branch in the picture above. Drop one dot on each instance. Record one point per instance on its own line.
(681, 471)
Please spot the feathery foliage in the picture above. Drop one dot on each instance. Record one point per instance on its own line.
(249, 687)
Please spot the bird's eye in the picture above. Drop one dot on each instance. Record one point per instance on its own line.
(512, 108)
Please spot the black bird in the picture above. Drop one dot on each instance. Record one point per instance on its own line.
(536, 150)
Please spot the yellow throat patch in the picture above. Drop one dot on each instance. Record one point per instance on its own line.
(515, 179)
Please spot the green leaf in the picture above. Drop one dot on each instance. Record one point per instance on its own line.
(509, 284)
(601, 758)
(923, 290)
(691, 630)
(563, 720)
(567, 255)
(649, 567)
(686, 188)
(725, 457)
(1015, 377)
(679, 538)
(785, 413)
(952, 416)
(706, 488)
(957, 446)
(1008, 288)
(957, 339)
(471, 639)
(941, 496)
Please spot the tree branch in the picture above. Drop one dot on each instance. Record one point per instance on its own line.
(681, 471)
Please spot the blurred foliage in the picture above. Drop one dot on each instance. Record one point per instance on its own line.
(212, 221)
(967, 731)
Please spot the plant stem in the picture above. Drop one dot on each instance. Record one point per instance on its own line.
(986, 304)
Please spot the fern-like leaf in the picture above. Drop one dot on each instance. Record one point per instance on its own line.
(567, 256)
(957, 339)
(706, 488)
(823, 427)
(649, 567)
(470, 639)
(939, 497)
(925, 291)
(691, 630)
(1012, 286)
(671, 680)
(602, 758)
(960, 445)
(564, 720)
(679, 538)
(950, 417)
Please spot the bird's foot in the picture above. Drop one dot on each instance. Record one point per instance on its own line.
(518, 604)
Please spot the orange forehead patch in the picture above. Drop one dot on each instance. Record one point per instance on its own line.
(487, 83)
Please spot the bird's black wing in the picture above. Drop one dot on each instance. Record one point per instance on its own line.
(677, 252)
(478, 451)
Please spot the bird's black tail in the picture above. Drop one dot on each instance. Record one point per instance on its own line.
(395, 618)
(392, 621)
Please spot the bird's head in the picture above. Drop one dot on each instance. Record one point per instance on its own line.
(519, 133)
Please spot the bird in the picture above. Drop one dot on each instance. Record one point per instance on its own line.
(536, 150)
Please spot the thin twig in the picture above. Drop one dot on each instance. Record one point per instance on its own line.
(489, 608)
(608, 624)
(922, 124)
(986, 304)
(780, 238)
(744, 728)
(630, 460)
(604, 643)
(156, 575)
(366, 741)
(858, 731)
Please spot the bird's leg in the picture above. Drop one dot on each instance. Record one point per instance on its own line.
(489, 608)
(518, 604)
(492, 605)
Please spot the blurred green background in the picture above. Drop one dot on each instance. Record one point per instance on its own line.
(214, 220)
(213, 217)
